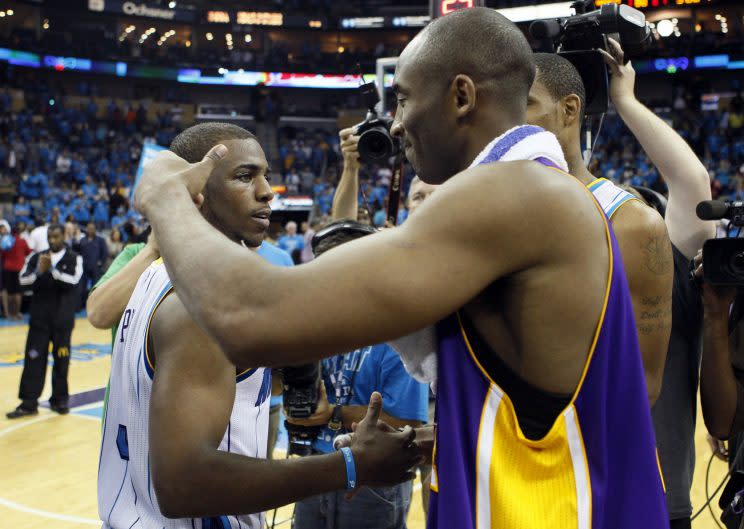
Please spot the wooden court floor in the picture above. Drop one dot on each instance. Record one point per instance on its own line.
(48, 463)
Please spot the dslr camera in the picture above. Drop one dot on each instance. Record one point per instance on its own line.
(376, 144)
(723, 259)
(301, 391)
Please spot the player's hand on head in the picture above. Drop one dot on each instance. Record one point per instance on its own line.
(167, 171)
(384, 456)
(622, 80)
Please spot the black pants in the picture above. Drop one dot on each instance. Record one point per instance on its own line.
(35, 365)
(680, 523)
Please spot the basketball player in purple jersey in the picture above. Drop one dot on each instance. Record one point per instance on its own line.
(543, 417)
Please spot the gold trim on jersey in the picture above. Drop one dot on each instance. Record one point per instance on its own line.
(149, 322)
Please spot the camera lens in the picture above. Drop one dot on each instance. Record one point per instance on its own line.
(375, 145)
(736, 264)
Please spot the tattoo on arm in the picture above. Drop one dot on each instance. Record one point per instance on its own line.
(658, 258)
(655, 316)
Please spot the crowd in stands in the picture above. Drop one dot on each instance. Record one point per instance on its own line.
(717, 137)
(75, 164)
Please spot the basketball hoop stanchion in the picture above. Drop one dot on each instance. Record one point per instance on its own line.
(381, 65)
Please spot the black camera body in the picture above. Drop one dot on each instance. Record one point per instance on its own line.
(723, 259)
(577, 39)
(300, 395)
(376, 144)
(586, 31)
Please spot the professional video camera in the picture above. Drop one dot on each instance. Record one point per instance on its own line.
(577, 38)
(301, 391)
(723, 259)
(587, 31)
(376, 144)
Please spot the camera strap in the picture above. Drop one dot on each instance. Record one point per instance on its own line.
(335, 423)
(395, 188)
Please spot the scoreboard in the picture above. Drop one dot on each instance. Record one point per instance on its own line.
(438, 8)
(643, 4)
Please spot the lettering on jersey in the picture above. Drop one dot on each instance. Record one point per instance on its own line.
(122, 443)
(265, 391)
(125, 320)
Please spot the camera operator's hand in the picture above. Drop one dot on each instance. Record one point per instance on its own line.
(349, 144)
(718, 447)
(717, 299)
(322, 413)
(622, 80)
(384, 456)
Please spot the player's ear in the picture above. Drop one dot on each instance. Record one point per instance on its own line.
(465, 95)
(199, 200)
(571, 106)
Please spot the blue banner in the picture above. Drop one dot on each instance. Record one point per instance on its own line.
(149, 150)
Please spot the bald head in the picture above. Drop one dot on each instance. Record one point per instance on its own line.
(461, 82)
(482, 44)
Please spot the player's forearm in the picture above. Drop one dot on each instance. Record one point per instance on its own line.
(347, 193)
(354, 414)
(222, 483)
(671, 154)
(718, 385)
(107, 302)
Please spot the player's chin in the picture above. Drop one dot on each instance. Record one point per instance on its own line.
(254, 237)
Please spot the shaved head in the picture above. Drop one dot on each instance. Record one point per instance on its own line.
(461, 82)
(482, 44)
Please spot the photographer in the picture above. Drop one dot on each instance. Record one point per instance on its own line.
(674, 411)
(349, 380)
(345, 201)
(721, 372)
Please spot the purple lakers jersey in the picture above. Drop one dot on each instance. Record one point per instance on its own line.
(596, 468)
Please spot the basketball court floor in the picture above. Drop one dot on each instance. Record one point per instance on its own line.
(48, 463)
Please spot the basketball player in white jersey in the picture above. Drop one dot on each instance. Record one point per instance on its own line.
(185, 431)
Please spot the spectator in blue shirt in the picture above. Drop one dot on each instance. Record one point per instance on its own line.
(101, 212)
(348, 382)
(22, 210)
(291, 241)
(90, 189)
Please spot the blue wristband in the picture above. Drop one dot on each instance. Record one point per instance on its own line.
(350, 468)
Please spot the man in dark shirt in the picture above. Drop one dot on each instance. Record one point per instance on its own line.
(54, 276)
(93, 249)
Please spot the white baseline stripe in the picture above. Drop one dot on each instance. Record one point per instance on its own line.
(581, 473)
(46, 514)
(483, 462)
(39, 512)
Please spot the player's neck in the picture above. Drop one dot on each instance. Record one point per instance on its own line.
(493, 127)
(577, 168)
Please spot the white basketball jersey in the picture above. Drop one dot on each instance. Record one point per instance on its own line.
(126, 499)
(609, 196)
